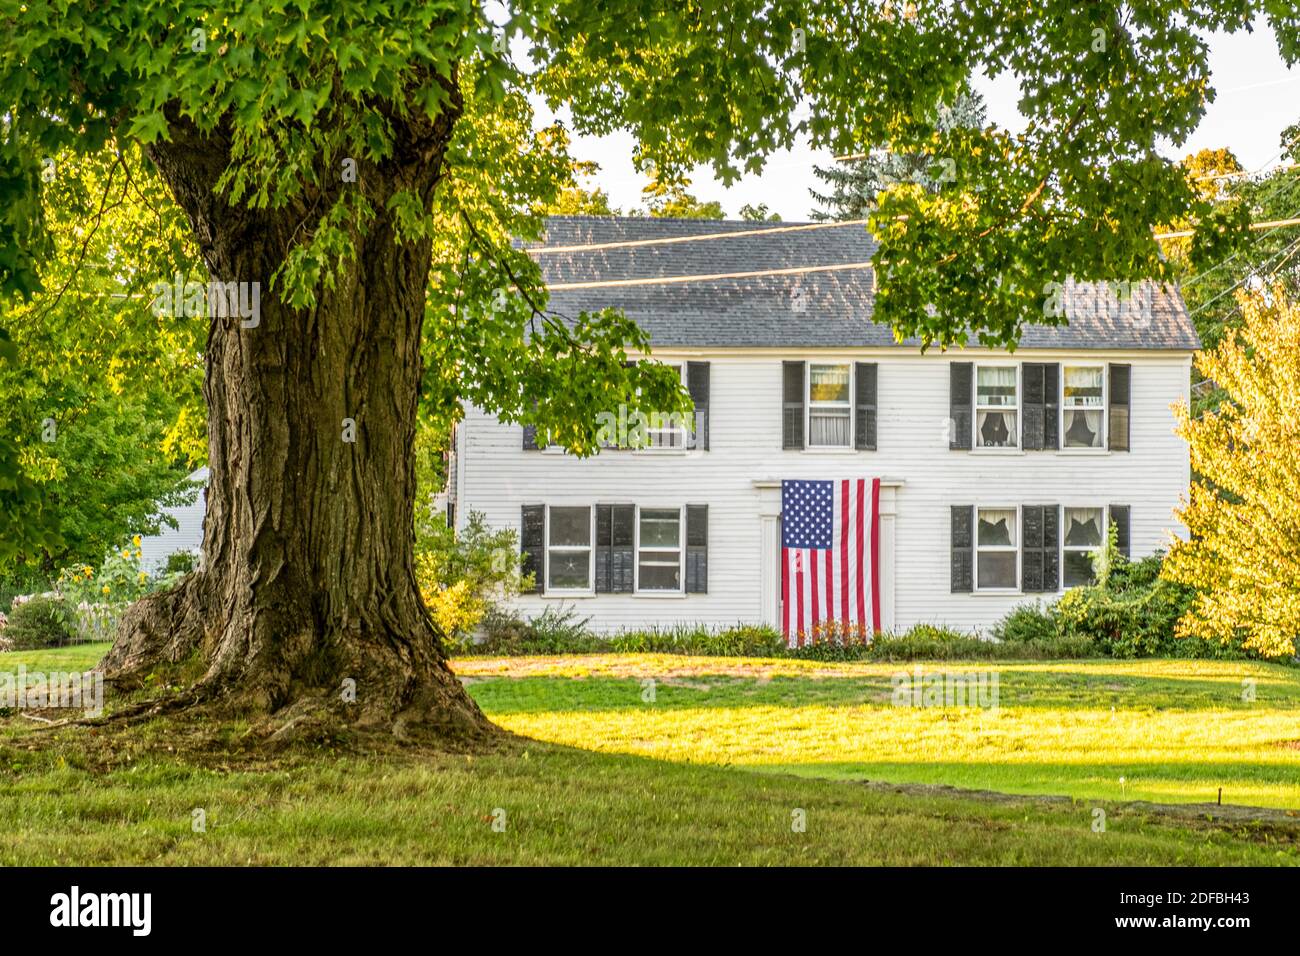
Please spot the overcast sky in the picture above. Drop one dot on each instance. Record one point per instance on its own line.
(1258, 97)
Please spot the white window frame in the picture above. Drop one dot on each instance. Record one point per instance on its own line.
(1014, 547)
(1105, 530)
(1104, 409)
(976, 408)
(590, 549)
(681, 552)
(682, 431)
(808, 404)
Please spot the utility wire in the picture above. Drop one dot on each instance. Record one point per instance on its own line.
(669, 240)
(673, 280)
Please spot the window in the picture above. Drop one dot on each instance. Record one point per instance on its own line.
(1083, 410)
(995, 406)
(665, 430)
(1082, 536)
(568, 552)
(995, 548)
(659, 550)
(830, 413)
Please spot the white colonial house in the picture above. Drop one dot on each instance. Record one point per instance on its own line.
(998, 470)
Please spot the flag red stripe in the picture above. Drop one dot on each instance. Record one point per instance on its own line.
(858, 517)
(816, 598)
(830, 584)
(785, 593)
(875, 555)
(798, 583)
(844, 550)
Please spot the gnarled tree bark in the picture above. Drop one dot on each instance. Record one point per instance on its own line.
(307, 587)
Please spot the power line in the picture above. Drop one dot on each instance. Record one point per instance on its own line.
(1288, 251)
(669, 240)
(1254, 227)
(673, 280)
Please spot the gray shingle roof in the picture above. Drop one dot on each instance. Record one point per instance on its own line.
(759, 312)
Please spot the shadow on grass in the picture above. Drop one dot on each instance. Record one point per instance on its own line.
(1015, 688)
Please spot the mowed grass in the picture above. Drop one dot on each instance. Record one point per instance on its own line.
(87, 796)
(1161, 730)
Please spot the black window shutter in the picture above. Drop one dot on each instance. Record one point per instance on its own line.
(1119, 516)
(864, 423)
(792, 398)
(697, 549)
(615, 530)
(532, 543)
(622, 567)
(1051, 407)
(959, 405)
(697, 383)
(1120, 382)
(1051, 548)
(604, 547)
(1031, 545)
(1040, 543)
(530, 436)
(963, 547)
(1039, 423)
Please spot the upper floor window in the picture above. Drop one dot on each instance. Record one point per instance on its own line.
(996, 406)
(568, 551)
(667, 430)
(830, 411)
(1083, 409)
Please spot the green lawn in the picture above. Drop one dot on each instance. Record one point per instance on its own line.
(1166, 730)
(682, 793)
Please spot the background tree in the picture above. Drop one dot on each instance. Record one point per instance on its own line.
(1229, 258)
(574, 200)
(107, 400)
(1243, 512)
(856, 183)
(372, 168)
(758, 213)
(668, 198)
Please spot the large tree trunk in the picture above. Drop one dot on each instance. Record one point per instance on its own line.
(307, 594)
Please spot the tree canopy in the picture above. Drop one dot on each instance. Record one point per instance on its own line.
(319, 110)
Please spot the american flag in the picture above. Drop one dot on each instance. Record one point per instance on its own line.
(830, 556)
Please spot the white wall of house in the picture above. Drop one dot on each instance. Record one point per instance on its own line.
(186, 536)
(496, 476)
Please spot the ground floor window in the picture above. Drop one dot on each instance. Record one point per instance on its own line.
(995, 549)
(1082, 535)
(659, 549)
(569, 549)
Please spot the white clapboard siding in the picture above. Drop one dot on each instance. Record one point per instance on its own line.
(496, 477)
(186, 536)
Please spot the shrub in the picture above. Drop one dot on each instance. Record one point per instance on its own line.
(557, 630)
(1032, 621)
(1130, 612)
(462, 575)
(743, 640)
(40, 623)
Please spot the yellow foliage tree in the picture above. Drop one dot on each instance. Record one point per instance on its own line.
(1243, 511)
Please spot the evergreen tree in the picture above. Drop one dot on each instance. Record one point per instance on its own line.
(854, 183)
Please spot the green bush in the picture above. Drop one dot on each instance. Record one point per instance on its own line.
(40, 623)
(557, 630)
(743, 640)
(1029, 622)
(1131, 612)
